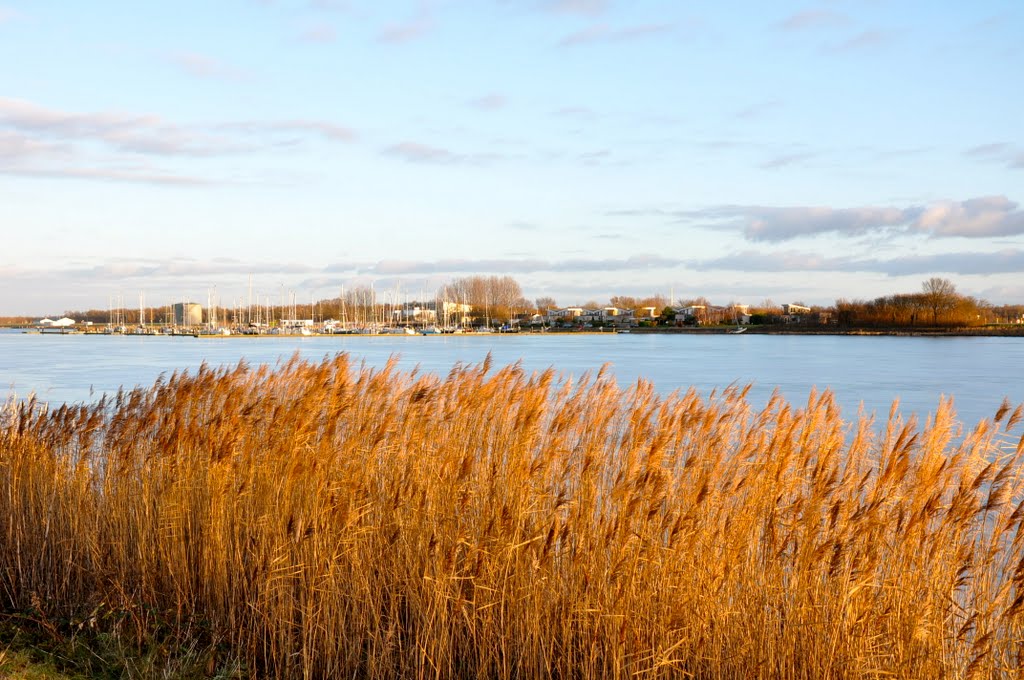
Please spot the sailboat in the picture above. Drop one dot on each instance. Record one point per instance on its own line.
(739, 328)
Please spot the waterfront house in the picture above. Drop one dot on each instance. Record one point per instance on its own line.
(793, 313)
(698, 313)
(566, 315)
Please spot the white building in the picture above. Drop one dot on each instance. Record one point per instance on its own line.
(63, 322)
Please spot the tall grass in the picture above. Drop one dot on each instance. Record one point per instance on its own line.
(324, 520)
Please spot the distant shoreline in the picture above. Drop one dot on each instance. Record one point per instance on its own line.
(986, 331)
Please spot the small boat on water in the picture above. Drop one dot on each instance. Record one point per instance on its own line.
(737, 330)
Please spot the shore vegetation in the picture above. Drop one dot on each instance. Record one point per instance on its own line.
(330, 520)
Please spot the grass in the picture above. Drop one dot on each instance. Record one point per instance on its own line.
(325, 520)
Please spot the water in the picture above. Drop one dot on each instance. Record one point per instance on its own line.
(868, 370)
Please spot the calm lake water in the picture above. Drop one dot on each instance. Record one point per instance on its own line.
(868, 370)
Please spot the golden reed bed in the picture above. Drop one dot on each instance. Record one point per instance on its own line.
(323, 520)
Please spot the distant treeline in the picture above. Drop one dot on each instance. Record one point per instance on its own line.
(938, 304)
(499, 299)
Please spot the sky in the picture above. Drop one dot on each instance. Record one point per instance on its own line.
(741, 151)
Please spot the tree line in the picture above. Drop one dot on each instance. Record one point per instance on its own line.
(500, 299)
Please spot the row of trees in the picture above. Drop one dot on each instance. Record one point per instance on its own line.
(938, 304)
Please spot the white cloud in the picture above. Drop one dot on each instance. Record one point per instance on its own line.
(415, 152)
(599, 33)
(16, 147)
(36, 141)
(146, 133)
(982, 217)
(973, 218)
(1007, 261)
(459, 266)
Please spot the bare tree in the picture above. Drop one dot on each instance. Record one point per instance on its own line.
(939, 296)
(493, 297)
(544, 304)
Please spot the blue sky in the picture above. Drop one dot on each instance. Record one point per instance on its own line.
(736, 150)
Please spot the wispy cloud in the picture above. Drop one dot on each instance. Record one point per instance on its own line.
(18, 147)
(150, 134)
(37, 141)
(518, 265)
(329, 131)
(784, 160)
(179, 266)
(758, 109)
(145, 134)
(422, 153)
(133, 175)
(319, 34)
(999, 152)
(421, 24)
(489, 102)
(579, 112)
(603, 33)
(415, 152)
(902, 153)
(332, 5)
(982, 217)
(965, 264)
(597, 157)
(813, 19)
(587, 7)
(989, 150)
(863, 41)
(204, 66)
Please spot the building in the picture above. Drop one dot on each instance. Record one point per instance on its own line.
(608, 315)
(699, 313)
(792, 313)
(415, 314)
(63, 322)
(187, 314)
(456, 313)
(567, 315)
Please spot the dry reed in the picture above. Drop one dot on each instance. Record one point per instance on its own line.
(324, 520)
